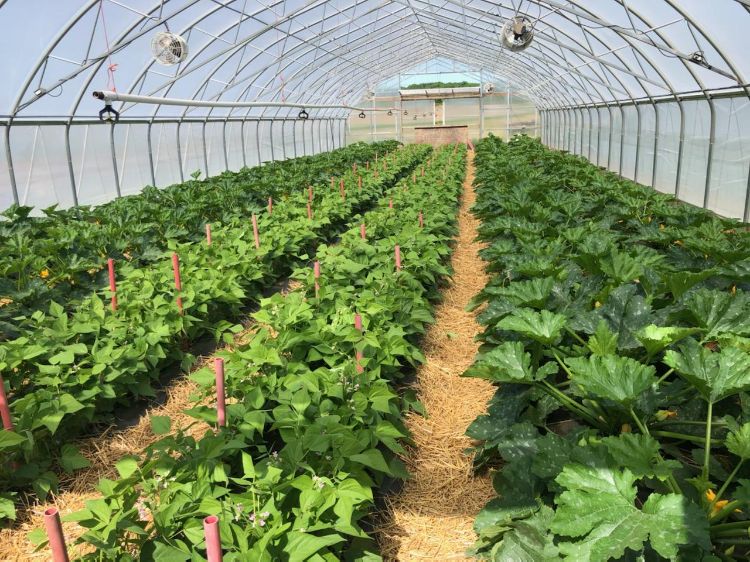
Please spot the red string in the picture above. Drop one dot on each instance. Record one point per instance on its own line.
(111, 67)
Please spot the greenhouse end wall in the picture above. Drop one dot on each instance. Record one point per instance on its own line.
(90, 163)
(695, 149)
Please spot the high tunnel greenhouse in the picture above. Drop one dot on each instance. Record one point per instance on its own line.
(359, 280)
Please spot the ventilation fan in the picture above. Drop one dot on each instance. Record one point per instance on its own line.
(168, 48)
(517, 33)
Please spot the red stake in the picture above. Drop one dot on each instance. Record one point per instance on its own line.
(208, 234)
(362, 231)
(270, 205)
(316, 274)
(421, 220)
(309, 211)
(354, 168)
(213, 538)
(255, 232)
(112, 284)
(221, 413)
(390, 203)
(4, 408)
(177, 279)
(398, 257)
(55, 535)
(341, 189)
(358, 354)
(309, 193)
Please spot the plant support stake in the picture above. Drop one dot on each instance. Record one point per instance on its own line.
(342, 191)
(358, 354)
(362, 231)
(177, 279)
(270, 205)
(213, 538)
(208, 234)
(221, 413)
(255, 232)
(398, 257)
(390, 203)
(316, 275)
(309, 211)
(421, 220)
(4, 408)
(309, 193)
(359, 183)
(112, 283)
(55, 535)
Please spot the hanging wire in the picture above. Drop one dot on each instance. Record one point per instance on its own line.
(111, 66)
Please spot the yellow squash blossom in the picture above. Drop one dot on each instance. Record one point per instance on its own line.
(44, 273)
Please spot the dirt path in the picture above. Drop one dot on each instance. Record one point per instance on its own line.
(432, 517)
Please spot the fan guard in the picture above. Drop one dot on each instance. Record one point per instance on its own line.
(517, 33)
(168, 48)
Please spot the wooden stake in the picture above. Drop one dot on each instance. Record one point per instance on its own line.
(316, 275)
(221, 414)
(177, 279)
(112, 283)
(270, 205)
(255, 232)
(358, 354)
(5, 407)
(208, 234)
(362, 231)
(398, 257)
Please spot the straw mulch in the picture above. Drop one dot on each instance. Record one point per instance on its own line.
(431, 518)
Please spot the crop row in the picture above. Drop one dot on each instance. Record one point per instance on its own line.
(62, 256)
(616, 326)
(313, 424)
(73, 368)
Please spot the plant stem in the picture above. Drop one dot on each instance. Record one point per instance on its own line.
(571, 404)
(733, 525)
(684, 437)
(664, 376)
(725, 485)
(576, 336)
(707, 451)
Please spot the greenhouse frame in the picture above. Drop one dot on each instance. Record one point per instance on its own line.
(656, 91)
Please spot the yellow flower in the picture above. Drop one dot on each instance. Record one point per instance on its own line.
(44, 273)
(626, 428)
(5, 301)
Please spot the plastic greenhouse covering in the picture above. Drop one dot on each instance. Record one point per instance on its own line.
(656, 90)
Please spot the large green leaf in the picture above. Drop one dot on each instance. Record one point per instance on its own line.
(640, 454)
(598, 507)
(714, 375)
(616, 378)
(529, 540)
(543, 326)
(738, 441)
(508, 362)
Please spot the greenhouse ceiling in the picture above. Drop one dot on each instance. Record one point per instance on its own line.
(321, 52)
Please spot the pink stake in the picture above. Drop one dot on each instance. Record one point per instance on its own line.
(177, 279)
(362, 232)
(316, 274)
(342, 191)
(422, 171)
(398, 257)
(4, 408)
(421, 220)
(390, 203)
(359, 183)
(221, 413)
(112, 284)
(270, 205)
(309, 211)
(255, 232)
(213, 538)
(309, 193)
(208, 234)
(55, 535)
(358, 354)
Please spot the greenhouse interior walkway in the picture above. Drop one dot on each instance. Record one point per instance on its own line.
(432, 517)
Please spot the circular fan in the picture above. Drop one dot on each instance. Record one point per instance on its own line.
(168, 48)
(517, 33)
